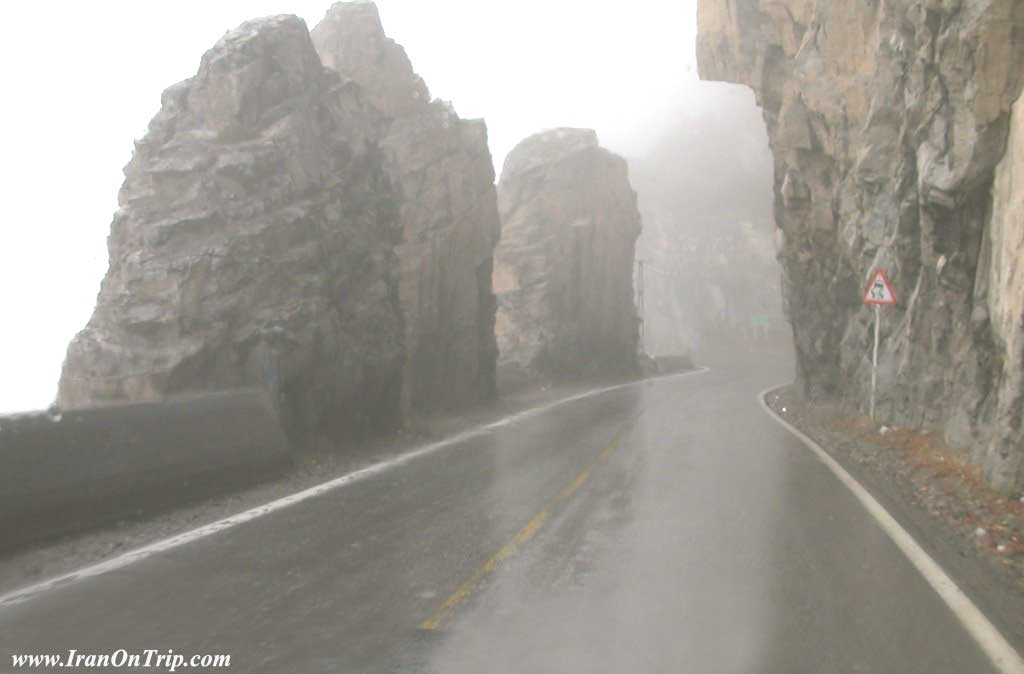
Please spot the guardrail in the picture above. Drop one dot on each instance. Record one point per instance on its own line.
(62, 472)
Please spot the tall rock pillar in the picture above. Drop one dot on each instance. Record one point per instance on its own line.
(564, 267)
(443, 169)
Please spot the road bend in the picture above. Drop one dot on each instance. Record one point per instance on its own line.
(666, 526)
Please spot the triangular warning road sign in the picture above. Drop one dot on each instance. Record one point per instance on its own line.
(879, 291)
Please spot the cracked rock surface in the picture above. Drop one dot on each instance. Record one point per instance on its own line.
(253, 246)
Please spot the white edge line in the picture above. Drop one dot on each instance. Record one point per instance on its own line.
(138, 554)
(1005, 658)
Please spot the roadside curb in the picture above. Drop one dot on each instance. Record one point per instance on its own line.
(991, 641)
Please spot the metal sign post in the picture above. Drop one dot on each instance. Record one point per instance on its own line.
(874, 360)
(878, 293)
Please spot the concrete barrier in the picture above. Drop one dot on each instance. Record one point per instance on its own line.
(62, 472)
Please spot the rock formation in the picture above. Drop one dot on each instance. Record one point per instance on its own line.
(316, 227)
(897, 145)
(254, 245)
(442, 167)
(564, 267)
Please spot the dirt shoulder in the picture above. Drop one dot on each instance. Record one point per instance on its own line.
(308, 468)
(976, 534)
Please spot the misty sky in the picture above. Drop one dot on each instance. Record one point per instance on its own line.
(83, 79)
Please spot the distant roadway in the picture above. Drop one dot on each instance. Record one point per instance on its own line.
(667, 526)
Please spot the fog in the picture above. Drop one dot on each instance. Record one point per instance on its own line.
(87, 78)
(705, 188)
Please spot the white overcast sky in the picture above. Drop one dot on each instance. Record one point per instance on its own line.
(81, 80)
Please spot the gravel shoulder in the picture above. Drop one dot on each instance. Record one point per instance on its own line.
(974, 533)
(308, 468)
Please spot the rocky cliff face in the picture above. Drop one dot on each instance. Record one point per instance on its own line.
(564, 266)
(442, 168)
(254, 245)
(324, 232)
(897, 145)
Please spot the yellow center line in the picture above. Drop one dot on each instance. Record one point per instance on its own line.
(467, 587)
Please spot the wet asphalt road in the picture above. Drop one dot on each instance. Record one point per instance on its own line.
(669, 526)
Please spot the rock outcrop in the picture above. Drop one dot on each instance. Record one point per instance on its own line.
(897, 145)
(254, 245)
(564, 267)
(443, 169)
(305, 222)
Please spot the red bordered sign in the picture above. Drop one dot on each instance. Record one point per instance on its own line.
(879, 291)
